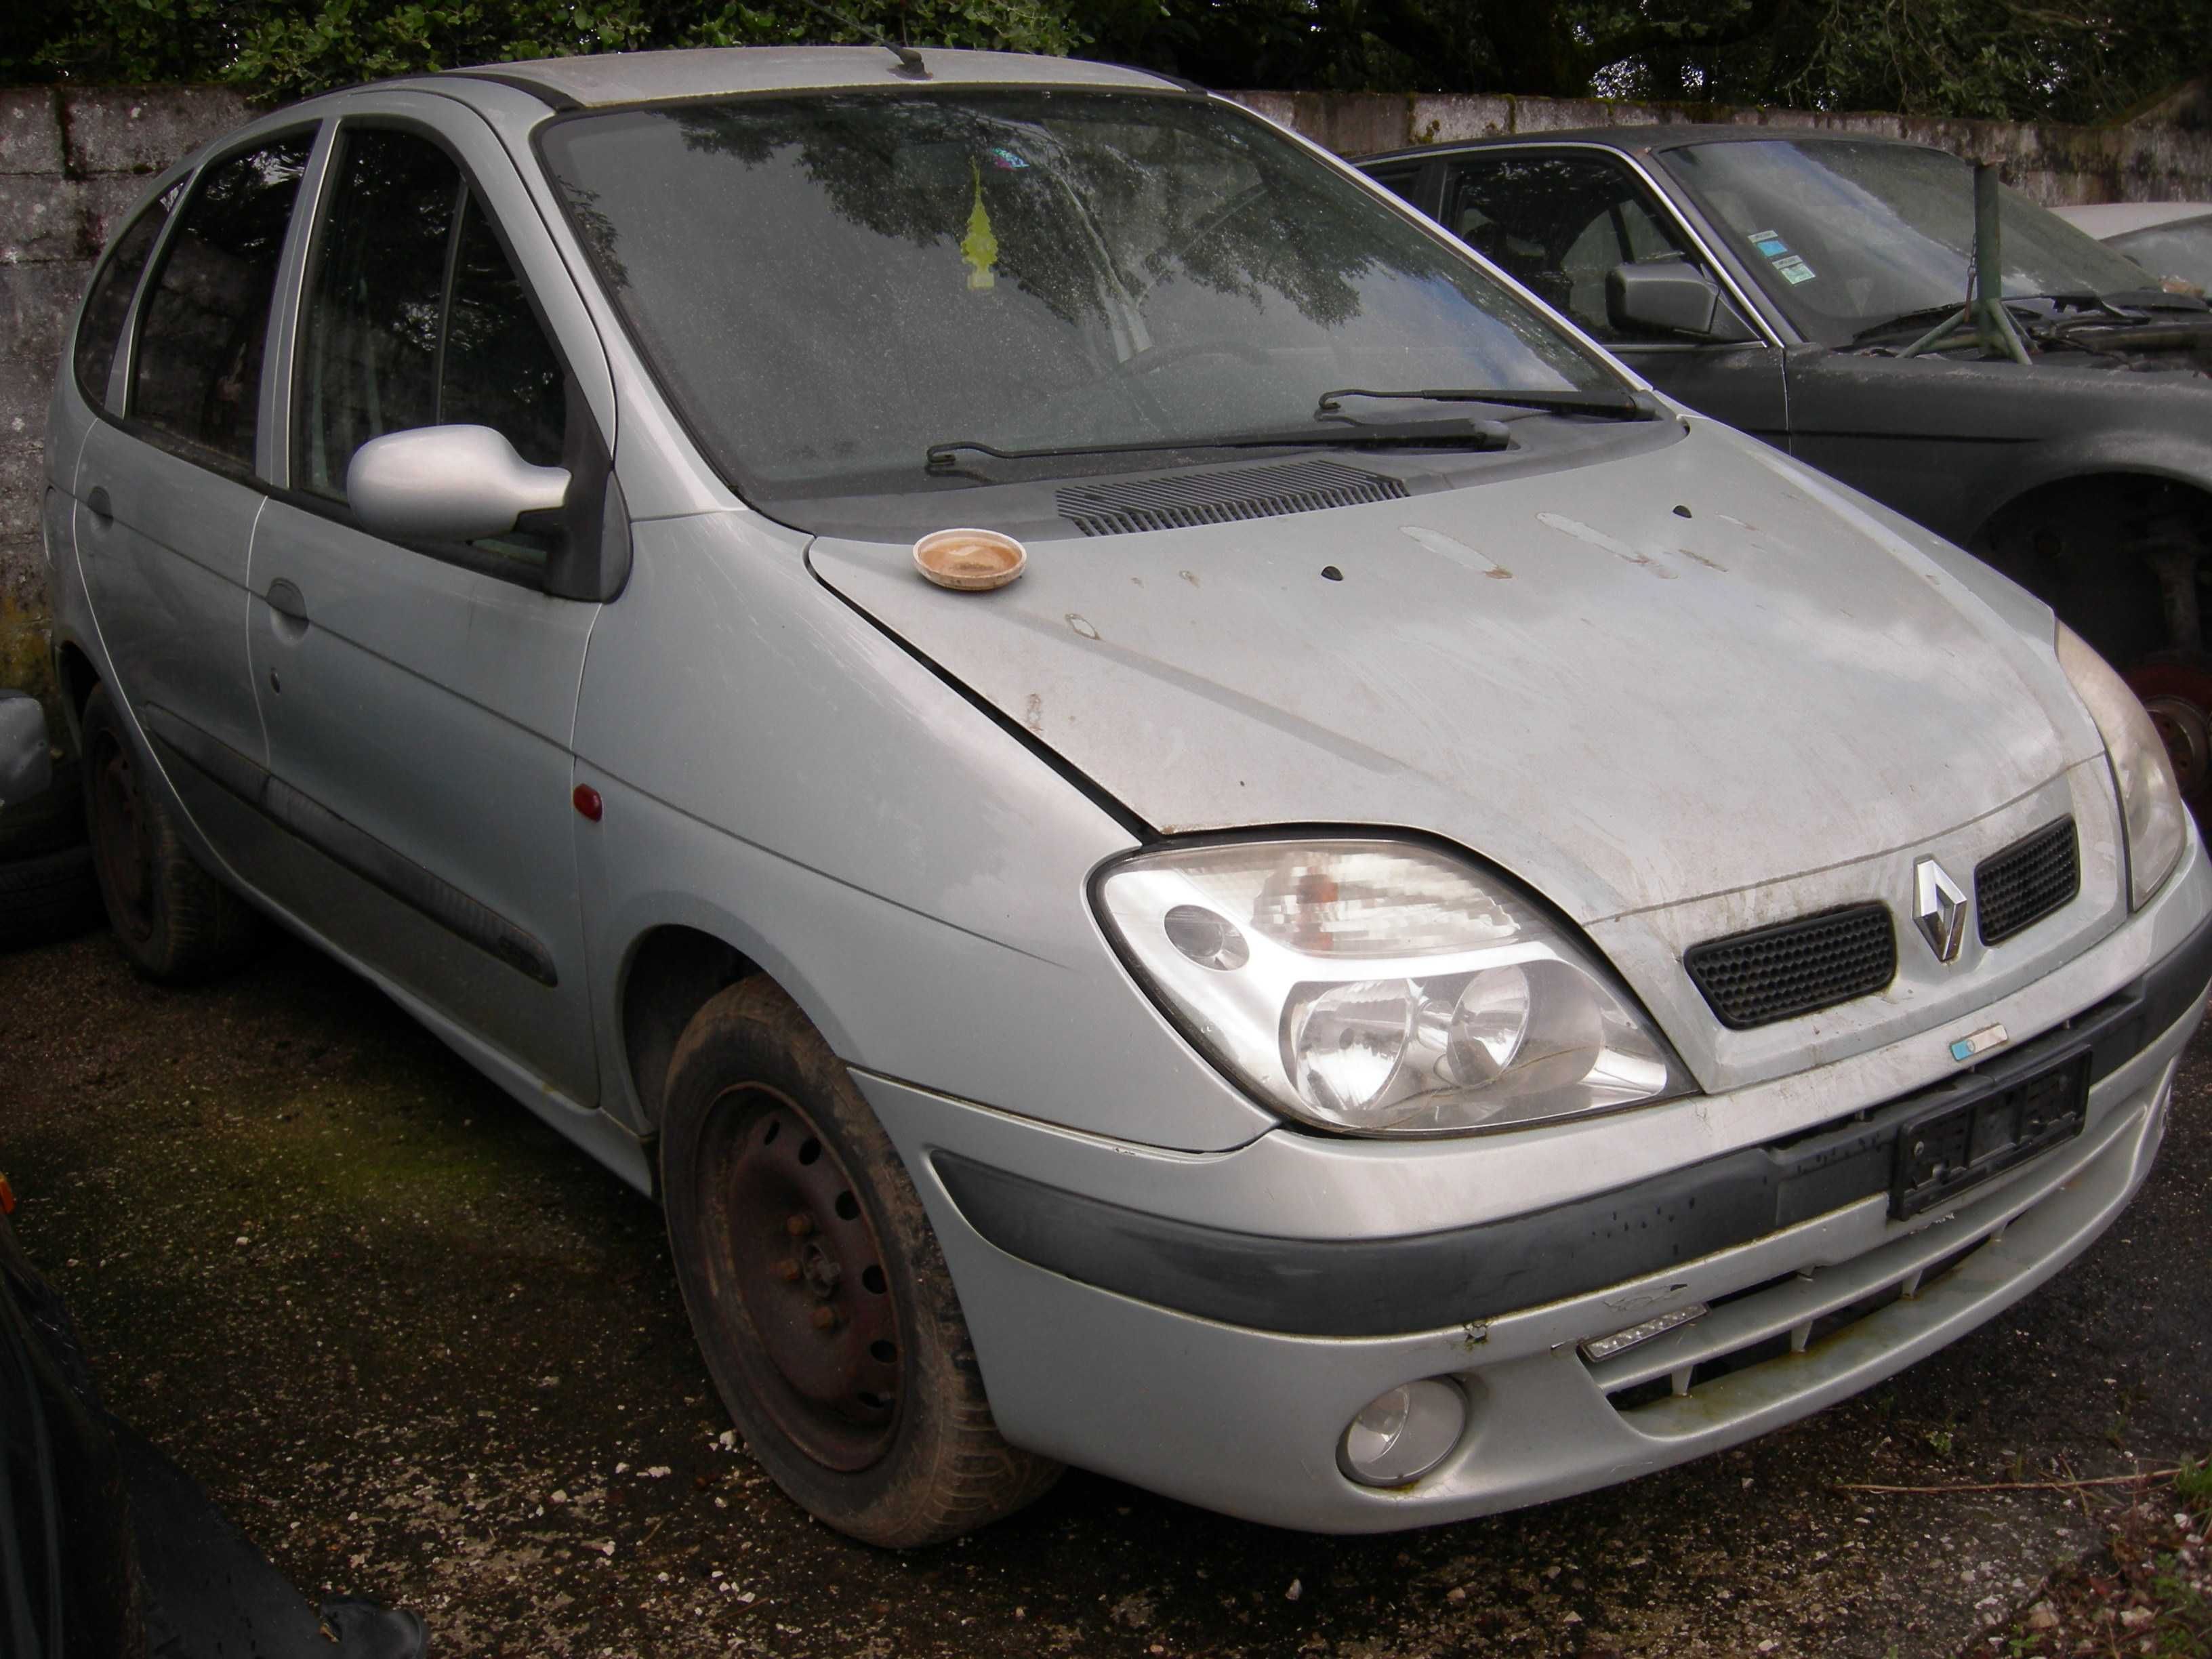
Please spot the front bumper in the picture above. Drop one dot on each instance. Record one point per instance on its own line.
(1235, 1395)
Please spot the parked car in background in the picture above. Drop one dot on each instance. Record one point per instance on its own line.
(1774, 280)
(1183, 835)
(2171, 240)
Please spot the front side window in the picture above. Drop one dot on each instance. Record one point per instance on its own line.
(1850, 235)
(415, 317)
(499, 369)
(196, 376)
(830, 284)
(108, 306)
(1559, 223)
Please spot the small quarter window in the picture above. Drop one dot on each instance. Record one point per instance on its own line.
(101, 329)
(206, 323)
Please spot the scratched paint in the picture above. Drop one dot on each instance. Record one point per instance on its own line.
(1613, 544)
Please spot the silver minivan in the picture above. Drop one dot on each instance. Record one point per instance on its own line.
(1396, 927)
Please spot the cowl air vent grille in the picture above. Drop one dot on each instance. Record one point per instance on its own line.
(2017, 887)
(1196, 498)
(1795, 967)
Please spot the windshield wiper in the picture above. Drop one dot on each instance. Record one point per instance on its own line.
(1607, 403)
(1398, 435)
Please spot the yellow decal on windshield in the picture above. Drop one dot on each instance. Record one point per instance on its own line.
(981, 246)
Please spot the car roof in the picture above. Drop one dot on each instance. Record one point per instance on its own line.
(2118, 218)
(1670, 134)
(637, 77)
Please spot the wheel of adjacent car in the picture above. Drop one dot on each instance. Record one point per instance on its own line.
(2176, 689)
(818, 1293)
(175, 922)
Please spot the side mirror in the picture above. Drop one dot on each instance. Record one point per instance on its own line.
(1672, 297)
(25, 764)
(448, 484)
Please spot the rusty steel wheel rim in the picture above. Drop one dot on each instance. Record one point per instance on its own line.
(2177, 697)
(802, 1256)
(120, 843)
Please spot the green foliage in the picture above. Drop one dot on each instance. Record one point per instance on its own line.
(2017, 59)
(282, 49)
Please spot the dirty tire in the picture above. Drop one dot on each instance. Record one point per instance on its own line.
(175, 922)
(48, 897)
(749, 1192)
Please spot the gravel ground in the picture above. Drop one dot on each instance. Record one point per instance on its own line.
(422, 1350)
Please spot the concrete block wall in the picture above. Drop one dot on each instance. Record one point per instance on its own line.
(73, 163)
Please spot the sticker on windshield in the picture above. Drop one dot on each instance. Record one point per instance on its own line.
(1769, 244)
(1794, 270)
(1006, 160)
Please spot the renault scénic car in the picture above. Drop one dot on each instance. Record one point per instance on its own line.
(1456, 933)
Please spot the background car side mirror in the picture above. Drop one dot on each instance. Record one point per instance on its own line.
(1674, 297)
(448, 484)
(24, 762)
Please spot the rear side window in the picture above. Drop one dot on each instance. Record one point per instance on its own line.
(101, 329)
(415, 317)
(206, 323)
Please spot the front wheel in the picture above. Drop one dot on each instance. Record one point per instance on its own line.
(819, 1293)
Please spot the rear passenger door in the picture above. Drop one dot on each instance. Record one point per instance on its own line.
(420, 700)
(1561, 220)
(167, 486)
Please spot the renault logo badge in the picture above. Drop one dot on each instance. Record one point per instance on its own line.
(1940, 908)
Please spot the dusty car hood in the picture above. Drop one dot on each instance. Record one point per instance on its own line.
(1625, 706)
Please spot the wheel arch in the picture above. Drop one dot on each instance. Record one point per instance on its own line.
(2093, 542)
(671, 971)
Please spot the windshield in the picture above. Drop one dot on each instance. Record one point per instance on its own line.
(829, 285)
(1844, 235)
(2179, 252)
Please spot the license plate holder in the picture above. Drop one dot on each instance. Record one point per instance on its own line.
(1952, 1148)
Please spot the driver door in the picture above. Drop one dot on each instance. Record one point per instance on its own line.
(1559, 220)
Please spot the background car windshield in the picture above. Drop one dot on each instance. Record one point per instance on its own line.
(830, 285)
(2181, 252)
(1846, 235)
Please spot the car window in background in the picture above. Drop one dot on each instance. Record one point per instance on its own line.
(368, 349)
(1403, 182)
(830, 285)
(108, 306)
(499, 369)
(2182, 250)
(196, 374)
(1559, 223)
(1846, 235)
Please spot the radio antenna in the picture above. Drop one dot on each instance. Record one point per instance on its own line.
(909, 60)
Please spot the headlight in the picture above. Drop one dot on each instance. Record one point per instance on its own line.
(2150, 800)
(1379, 987)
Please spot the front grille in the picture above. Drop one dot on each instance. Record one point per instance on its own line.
(2019, 886)
(1195, 498)
(1794, 968)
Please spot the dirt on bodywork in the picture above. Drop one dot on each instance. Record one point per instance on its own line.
(420, 1349)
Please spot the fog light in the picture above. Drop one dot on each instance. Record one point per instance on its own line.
(1404, 1433)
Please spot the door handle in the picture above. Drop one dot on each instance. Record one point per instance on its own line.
(287, 602)
(98, 505)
